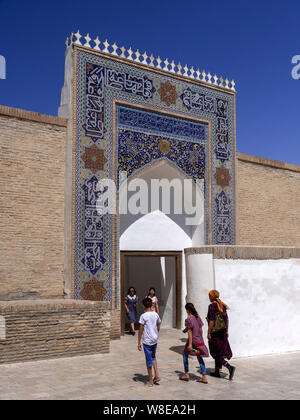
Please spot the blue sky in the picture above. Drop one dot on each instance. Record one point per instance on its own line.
(252, 42)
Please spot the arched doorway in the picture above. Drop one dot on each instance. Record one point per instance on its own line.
(128, 115)
(151, 244)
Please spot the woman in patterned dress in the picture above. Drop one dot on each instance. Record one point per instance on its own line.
(131, 301)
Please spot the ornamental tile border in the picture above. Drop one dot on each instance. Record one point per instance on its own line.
(104, 86)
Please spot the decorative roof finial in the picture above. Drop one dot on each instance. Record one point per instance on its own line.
(150, 61)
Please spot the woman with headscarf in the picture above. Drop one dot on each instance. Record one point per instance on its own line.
(217, 334)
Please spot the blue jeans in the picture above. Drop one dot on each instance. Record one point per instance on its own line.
(186, 363)
(150, 353)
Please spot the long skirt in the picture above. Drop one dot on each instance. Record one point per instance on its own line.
(131, 315)
(219, 348)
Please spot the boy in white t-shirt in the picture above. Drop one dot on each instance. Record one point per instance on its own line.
(148, 334)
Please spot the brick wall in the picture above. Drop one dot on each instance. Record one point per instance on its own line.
(268, 194)
(42, 329)
(115, 326)
(32, 171)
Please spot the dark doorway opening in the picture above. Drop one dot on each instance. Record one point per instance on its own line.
(159, 269)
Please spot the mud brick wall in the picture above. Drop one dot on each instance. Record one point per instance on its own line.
(268, 194)
(42, 329)
(32, 188)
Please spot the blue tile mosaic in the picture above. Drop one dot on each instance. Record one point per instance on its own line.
(136, 134)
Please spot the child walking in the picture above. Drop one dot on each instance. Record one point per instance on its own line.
(152, 296)
(195, 345)
(148, 335)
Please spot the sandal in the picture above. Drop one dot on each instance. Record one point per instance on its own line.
(184, 378)
(148, 384)
(156, 380)
(201, 381)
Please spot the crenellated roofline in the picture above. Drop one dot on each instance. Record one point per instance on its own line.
(150, 61)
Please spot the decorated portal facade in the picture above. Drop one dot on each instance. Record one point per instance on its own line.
(63, 265)
(128, 114)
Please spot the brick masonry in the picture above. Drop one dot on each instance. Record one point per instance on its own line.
(42, 329)
(32, 184)
(115, 329)
(268, 194)
(32, 218)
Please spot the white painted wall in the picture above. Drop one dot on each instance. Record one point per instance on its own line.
(264, 301)
(200, 280)
(263, 296)
(154, 232)
(168, 292)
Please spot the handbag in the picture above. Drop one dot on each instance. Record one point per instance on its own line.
(220, 324)
(197, 350)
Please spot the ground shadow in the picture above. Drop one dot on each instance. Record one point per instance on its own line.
(195, 377)
(129, 333)
(177, 349)
(140, 378)
(192, 376)
(210, 370)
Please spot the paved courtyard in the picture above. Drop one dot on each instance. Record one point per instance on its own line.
(122, 374)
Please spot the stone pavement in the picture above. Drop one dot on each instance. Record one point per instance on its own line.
(122, 373)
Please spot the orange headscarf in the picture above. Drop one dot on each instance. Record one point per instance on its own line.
(214, 295)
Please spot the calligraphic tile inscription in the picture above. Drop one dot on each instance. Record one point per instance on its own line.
(127, 117)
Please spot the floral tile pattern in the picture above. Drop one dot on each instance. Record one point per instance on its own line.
(168, 93)
(94, 159)
(127, 117)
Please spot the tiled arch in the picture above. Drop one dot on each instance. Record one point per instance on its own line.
(168, 116)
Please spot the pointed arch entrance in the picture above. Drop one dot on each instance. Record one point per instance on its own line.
(166, 215)
(151, 244)
(123, 121)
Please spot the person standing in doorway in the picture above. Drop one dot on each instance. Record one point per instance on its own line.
(195, 344)
(148, 335)
(217, 334)
(152, 296)
(131, 301)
